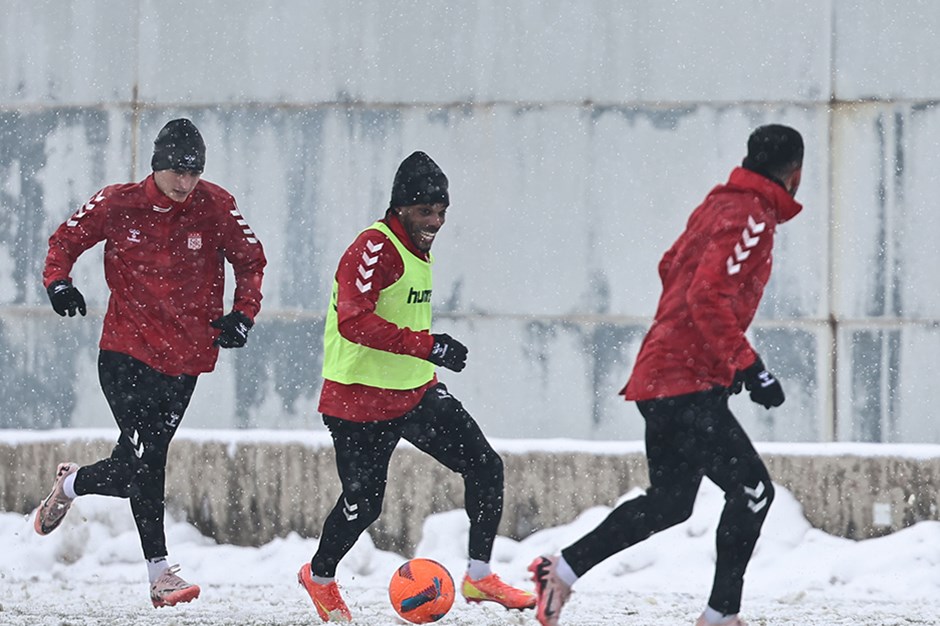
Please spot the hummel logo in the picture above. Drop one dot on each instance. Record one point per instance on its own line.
(756, 501)
(750, 236)
(138, 449)
(418, 297)
(349, 510)
(174, 420)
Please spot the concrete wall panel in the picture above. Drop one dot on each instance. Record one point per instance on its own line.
(885, 50)
(68, 53)
(577, 137)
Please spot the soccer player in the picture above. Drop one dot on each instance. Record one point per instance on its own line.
(166, 242)
(380, 386)
(694, 356)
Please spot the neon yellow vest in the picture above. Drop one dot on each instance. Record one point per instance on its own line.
(405, 303)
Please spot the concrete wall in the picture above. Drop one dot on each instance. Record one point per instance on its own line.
(577, 137)
(249, 491)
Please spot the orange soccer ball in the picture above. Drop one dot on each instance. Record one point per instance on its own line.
(421, 591)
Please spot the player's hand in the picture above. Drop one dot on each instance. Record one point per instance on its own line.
(448, 352)
(65, 298)
(234, 327)
(764, 387)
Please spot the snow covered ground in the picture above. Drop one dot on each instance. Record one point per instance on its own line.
(90, 572)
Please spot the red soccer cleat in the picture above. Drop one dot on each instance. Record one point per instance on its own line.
(326, 598)
(492, 589)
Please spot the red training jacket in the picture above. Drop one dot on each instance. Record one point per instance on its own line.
(713, 278)
(359, 323)
(164, 264)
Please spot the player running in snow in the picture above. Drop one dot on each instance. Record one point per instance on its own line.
(693, 357)
(166, 242)
(380, 386)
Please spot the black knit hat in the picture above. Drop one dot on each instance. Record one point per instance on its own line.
(771, 149)
(419, 180)
(179, 146)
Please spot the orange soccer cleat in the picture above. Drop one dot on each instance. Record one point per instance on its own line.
(326, 598)
(492, 589)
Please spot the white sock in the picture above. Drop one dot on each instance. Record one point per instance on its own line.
(321, 580)
(68, 486)
(717, 617)
(477, 569)
(156, 567)
(565, 573)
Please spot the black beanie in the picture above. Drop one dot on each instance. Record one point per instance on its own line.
(772, 148)
(179, 146)
(419, 180)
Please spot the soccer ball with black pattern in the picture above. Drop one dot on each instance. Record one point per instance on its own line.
(421, 591)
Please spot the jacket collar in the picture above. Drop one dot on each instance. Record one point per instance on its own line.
(160, 202)
(784, 205)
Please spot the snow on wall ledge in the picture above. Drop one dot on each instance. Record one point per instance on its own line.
(248, 488)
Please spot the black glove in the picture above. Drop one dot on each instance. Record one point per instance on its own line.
(448, 352)
(234, 327)
(65, 298)
(765, 389)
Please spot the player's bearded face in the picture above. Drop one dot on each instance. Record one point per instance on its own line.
(421, 222)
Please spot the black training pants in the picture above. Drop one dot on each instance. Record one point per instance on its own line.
(439, 426)
(147, 407)
(688, 437)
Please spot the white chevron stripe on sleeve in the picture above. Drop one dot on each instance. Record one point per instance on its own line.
(83, 211)
(749, 241)
(750, 237)
(756, 228)
(246, 229)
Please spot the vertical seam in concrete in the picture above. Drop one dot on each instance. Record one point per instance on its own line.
(832, 388)
(135, 95)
